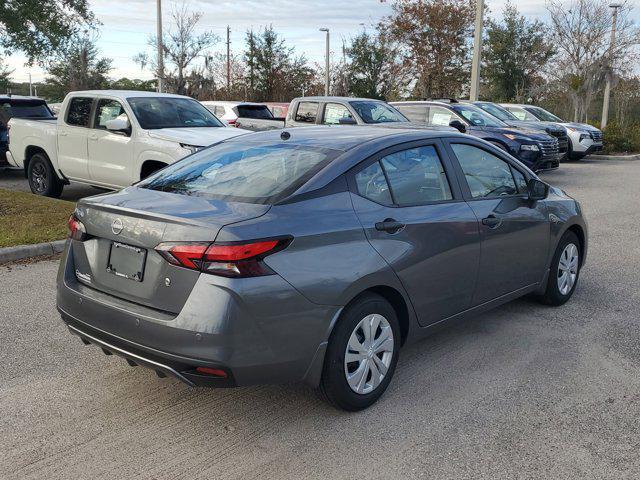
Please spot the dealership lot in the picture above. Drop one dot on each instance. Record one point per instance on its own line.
(524, 391)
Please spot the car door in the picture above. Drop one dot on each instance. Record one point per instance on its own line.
(414, 216)
(514, 230)
(110, 153)
(72, 139)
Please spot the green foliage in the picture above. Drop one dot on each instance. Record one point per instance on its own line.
(515, 52)
(4, 76)
(134, 84)
(39, 28)
(622, 138)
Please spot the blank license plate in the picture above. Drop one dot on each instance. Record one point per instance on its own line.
(127, 261)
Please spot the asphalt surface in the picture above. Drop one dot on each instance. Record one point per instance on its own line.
(523, 392)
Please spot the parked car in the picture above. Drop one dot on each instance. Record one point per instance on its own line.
(536, 150)
(231, 111)
(313, 256)
(552, 128)
(16, 106)
(111, 139)
(583, 138)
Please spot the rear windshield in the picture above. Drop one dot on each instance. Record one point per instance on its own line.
(23, 109)
(254, 111)
(242, 173)
(171, 112)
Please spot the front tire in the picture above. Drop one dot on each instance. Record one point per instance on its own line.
(564, 271)
(42, 177)
(362, 354)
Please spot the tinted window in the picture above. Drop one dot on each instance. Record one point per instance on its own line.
(440, 115)
(333, 112)
(416, 176)
(377, 112)
(242, 173)
(168, 112)
(415, 113)
(107, 110)
(372, 184)
(23, 109)
(254, 111)
(486, 174)
(477, 117)
(79, 111)
(307, 112)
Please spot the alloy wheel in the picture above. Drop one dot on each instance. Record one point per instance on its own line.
(567, 268)
(39, 177)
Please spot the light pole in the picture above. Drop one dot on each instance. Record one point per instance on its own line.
(477, 53)
(326, 75)
(607, 87)
(159, 36)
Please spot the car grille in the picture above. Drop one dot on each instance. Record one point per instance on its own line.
(597, 136)
(563, 140)
(550, 149)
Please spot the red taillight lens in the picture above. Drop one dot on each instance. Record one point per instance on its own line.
(230, 260)
(216, 372)
(76, 228)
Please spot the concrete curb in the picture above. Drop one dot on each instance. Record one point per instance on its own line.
(19, 252)
(617, 157)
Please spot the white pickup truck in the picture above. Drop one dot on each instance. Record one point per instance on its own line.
(111, 138)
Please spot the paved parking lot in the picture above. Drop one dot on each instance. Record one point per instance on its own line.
(525, 391)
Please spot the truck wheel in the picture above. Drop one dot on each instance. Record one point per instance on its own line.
(42, 177)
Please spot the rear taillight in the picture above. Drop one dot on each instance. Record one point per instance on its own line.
(76, 229)
(226, 259)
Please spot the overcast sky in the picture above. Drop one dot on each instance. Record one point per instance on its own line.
(128, 24)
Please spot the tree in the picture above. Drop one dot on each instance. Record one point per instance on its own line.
(77, 67)
(5, 73)
(181, 47)
(515, 54)
(40, 28)
(435, 39)
(125, 83)
(581, 34)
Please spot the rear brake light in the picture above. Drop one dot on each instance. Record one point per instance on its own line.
(216, 372)
(228, 260)
(76, 229)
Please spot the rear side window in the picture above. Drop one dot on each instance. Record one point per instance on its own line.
(487, 175)
(415, 113)
(79, 111)
(254, 111)
(372, 184)
(239, 172)
(307, 112)
(416, 176)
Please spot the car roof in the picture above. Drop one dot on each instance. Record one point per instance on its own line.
(228, 103)
(324, 98)
(124, 94)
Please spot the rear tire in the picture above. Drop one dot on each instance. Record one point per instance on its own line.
(43, 179)
(368, 331)
(564, 271)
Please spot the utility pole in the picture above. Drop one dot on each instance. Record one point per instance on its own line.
(160, 48)
(607, 87)
(477, 53)
(326, 75)
(30, 86)
(228, 58)
(251, 39)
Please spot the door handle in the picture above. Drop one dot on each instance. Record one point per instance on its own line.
(63, 134)
(492, 221)
(93, 137)
(390, 226)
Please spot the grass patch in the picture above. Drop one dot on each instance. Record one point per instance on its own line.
(26, 218)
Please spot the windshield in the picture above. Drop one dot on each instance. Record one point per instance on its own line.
(23, 109)
(477, 117)
(543, 115)
(171, 112)
(377, 112)
(497, 111)
(242, 173)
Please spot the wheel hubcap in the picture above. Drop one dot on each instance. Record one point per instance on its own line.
(568, 268)
(39, 177)
(368, 353)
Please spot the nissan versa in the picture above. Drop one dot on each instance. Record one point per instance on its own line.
(313, 255)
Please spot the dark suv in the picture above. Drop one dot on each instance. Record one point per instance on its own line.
(552, 128)
(535, 149)
(20, 107)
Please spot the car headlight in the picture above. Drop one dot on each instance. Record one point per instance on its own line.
(530, 148)
(584, 136)
(191, 148)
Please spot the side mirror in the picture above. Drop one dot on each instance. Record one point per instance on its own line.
(538, 190)
(119, 124)
(347, 121)
(458, 125)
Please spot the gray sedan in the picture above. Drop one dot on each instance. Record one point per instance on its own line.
(313, 255)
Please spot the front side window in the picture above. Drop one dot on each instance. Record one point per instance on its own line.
(372, 184)
(333, 112)
(107, 110)
(239, 172)
(522, 114)
(416, 176)
(497, 111)
(440, 116)
(543, 115)
(171, 112)
(376, 112)
(521, 181)
(487, 175)
(79, 111)
(307, 112)
(477, 117)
